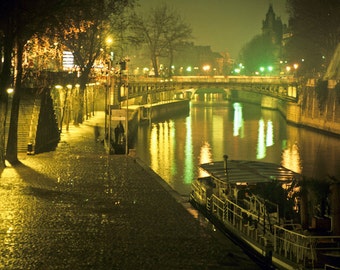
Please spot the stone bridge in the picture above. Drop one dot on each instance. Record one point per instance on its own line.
(282, 88)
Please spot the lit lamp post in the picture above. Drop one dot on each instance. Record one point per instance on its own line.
(296, 66)
(10, 92)
(127, 113)
(270, 69)
(107, 124)
(124, 87)
(206, 69)
(261, 70)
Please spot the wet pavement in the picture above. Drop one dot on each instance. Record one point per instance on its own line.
(80, 208)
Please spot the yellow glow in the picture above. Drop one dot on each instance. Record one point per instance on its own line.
(205, 153)
(162, 145)
(10, 90)
(109, 40)
(291, 158)
(206, 67)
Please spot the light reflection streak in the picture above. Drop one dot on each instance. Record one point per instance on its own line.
(172, 146)
(269, 135)
(261, 148)
(188, 161)
(205, 157)
(154, 147)
(238, 120)
(205, 153)
(162, 145)
(217, 130)
(291, 158)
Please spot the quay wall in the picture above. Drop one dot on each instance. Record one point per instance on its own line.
(161, 110)
(307, 112)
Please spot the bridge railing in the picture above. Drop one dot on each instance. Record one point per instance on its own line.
(282, 87)
(237, 79)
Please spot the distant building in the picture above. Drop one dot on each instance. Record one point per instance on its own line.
(272, 26)
(199, 60)
(276, 31)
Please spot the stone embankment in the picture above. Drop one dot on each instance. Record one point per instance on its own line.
(80, 208)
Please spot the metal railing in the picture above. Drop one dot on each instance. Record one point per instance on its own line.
(295, 246)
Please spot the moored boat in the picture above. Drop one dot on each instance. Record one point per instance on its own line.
(228, 195)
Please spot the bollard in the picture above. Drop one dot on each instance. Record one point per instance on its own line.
(29, 149)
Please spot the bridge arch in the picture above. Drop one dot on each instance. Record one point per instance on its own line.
(191, 92)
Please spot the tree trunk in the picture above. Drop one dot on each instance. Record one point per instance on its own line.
(171, 61)
(5, 80)
(3, 119)
(82, 88)
(12, 143)
(155, 65)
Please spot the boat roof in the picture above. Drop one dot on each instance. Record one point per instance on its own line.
(250, 172)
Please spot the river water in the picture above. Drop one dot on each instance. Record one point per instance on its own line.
(174, 147)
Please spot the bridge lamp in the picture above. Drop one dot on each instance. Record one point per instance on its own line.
(206, 67)
(295, 66)
(270, 68)
(262, 69)
(237, 70)
(145, 71)
(189, 69)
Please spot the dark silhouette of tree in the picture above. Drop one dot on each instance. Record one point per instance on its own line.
(264, 50)
(20, 20)
(162, 31)
(314, 25)
(6, 42)
(18, 24)
(259, 52)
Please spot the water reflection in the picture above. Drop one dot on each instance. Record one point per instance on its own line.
(291, 157)
(238, 120)
(188, 162)
(162, 148)
(261, 147)
(175, 147)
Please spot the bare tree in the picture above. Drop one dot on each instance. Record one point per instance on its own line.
(163, 32)
(84, 32)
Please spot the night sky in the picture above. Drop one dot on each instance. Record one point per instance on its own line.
(225, 25)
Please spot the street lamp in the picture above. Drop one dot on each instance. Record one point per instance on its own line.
(206, 69)
(10, 92)
(107, 124)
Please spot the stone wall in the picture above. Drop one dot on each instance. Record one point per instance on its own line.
(323, 115)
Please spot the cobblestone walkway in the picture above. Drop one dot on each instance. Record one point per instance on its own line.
(79, 208)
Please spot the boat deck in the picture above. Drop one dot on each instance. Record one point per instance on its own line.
(250, 172)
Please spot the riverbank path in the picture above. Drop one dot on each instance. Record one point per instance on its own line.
(79, 208)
